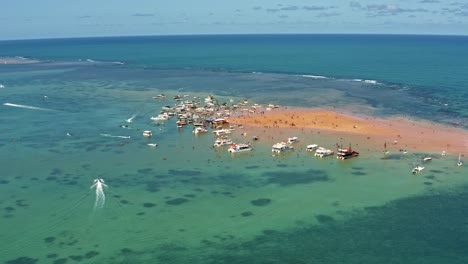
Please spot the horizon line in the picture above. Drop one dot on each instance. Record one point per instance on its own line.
(234, 34)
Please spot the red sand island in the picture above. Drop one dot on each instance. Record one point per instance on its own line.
(367, 132)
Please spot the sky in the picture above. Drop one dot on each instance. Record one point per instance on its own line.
(30, 19)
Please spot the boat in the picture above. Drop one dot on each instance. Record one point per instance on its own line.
(242, 147)
(160, 117)
(152, 144)
(311, 147)
(417, 169)
(292, 140)
(323, 152)
(281, 147)
(198, 130)
(221, 132)
(427, 159)
(147, 133)
(223, 142)
(346, 153)
(459, 163)
(159, 96)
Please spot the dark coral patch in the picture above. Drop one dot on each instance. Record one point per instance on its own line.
(177, 201)
(248, 213)
(22, 260)
(184, 172)
(4, 181)
(60, 261)
(291, 178)
(324, 219)
(261, 202)
(149, 205)
(50, 239)
(91, 254)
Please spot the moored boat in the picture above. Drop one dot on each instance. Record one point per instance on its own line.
(241, 147)
(292, 140)
(281, 147)
(346, 153)
(147, 133)
(311, 147)
(323, 152)
(224, 141)
(417, 169)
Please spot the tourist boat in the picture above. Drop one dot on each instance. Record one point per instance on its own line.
(234, 148)
(198, 130)
(221, 132)
(459, 163)
(311, 147)
(223, 142)
(346, 153)
(292, 140)
(147, 133)
(323, 152)
(160, 117)
(417, 169)
(281, 147)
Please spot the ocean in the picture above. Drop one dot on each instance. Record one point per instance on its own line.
(63, 126)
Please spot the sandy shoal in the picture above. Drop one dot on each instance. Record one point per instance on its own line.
(399, 132)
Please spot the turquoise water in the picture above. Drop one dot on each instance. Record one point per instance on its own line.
(187, 201)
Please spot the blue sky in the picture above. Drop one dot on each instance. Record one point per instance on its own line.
(24, 19)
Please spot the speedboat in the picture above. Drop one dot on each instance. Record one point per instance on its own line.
(281, 147)
(147, 133)
(223, 142)
(323, 152)
(311, 147)
(346, 153)
(199, 129)
(234, 148)
(427, 159)
(417, 169)
(292, 140)
(160, 117)
(153, 144)
(221, 132)
(459, 163)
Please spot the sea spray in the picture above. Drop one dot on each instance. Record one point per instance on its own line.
(100, 196)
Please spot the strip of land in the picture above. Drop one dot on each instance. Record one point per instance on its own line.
(372, 133)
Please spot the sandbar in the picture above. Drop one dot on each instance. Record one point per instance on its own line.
(372, 133)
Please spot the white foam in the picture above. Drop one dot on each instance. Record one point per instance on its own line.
(111, 136)
(2, 86)
(27, 107)
(370, 81)
(314, 76)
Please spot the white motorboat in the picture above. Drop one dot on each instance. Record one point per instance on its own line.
(198, 130)
(234, 148)
(427, 159)
(223, 142)
(292, 140)
(417, 169)
(221, 132)
(147, 133)
(153, 144)
(311, 147)
(160, 117)
(459, 163)
(281, 147)
(323, 152)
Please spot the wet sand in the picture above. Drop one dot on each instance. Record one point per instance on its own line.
(399, 132)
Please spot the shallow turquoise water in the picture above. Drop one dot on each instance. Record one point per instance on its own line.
(187, 201)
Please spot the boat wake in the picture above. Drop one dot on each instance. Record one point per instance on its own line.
(100, 196)
(111, 136)
(28, 107)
